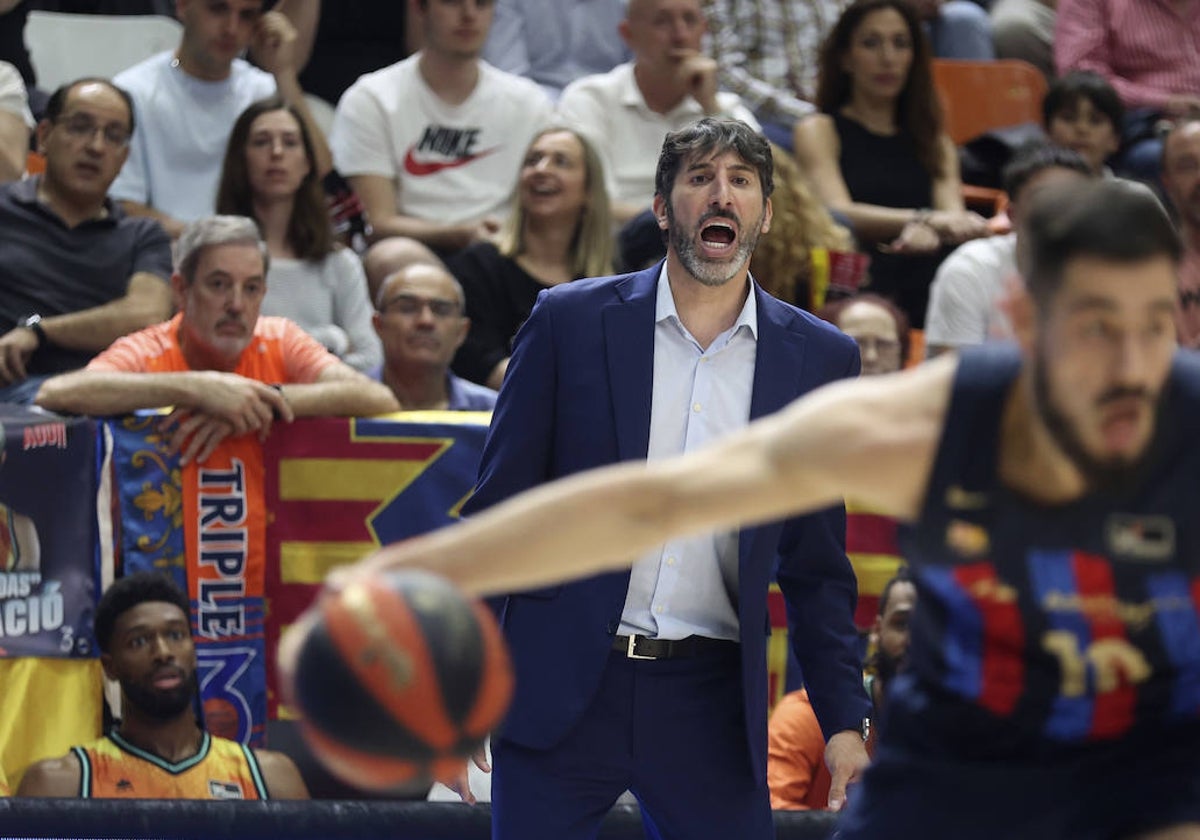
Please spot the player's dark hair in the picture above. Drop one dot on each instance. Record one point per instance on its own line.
(1035, 158)
(58, 99)
(1109, 219)
(1067, 91)
(903, 575)
(709, 137)
(126, 593)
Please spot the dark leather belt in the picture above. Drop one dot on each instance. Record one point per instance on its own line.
(640, 647)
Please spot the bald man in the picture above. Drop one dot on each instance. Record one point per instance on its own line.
(420, 322)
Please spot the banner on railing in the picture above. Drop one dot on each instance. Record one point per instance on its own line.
(48, 540)
(339, 488)
(251, 533)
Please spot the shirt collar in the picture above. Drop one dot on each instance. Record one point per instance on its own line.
(25, 192)
(630, 96)
(664, 306)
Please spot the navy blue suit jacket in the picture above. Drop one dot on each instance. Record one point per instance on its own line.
(577, 395)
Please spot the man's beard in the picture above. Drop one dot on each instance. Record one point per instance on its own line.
(160, 704)
(710, 272)
(1104, 475)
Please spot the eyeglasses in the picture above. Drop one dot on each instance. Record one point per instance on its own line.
(84, 128)
(413, 305)
(881, 346)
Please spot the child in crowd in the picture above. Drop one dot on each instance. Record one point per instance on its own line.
(1082, 112)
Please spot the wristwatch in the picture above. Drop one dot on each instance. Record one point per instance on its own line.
(865, 731)
(34, 324)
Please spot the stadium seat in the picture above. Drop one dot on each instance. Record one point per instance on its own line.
(64, 47)
(979, 96)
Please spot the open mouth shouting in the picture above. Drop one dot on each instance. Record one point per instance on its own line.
(718, 237)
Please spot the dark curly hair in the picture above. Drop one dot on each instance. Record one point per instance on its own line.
(126, 593)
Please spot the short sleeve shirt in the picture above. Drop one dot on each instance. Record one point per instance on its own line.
(278, 352)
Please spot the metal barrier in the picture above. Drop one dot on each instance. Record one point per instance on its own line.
(329, 820)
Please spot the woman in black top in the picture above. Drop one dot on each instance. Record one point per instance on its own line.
(559, 229)
(878, 153)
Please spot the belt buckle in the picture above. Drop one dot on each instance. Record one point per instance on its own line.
(629, 652)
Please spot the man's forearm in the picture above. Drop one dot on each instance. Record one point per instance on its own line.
(440, 237)
(103, 393)
(356, 397)
(149, 302)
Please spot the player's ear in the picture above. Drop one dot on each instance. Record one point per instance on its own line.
(659, 206)
(106, 664)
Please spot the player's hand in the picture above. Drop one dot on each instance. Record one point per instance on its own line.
(698, 74)
(248, 405)
(275, 44)
(16, 346)
(846, 757)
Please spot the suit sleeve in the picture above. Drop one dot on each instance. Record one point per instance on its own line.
(518, 451)
(820, 592)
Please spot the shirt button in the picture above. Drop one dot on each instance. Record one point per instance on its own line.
(670, 561)
(696, 407)
(658, 609)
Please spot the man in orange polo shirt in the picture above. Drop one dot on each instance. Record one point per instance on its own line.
(225, 370)
(796, 772)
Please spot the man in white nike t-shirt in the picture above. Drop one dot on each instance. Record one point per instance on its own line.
(433, 144)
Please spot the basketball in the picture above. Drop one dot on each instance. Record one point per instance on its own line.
(399, 677)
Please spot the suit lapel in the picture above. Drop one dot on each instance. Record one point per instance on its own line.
(778, 360)
(629, 349)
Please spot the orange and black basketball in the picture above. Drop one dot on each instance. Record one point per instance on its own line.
(399, 679)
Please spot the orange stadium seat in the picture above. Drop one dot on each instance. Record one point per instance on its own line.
(978, 96)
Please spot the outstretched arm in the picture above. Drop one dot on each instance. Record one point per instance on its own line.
(872, 439)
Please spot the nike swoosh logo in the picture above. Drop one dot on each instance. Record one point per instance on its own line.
(421, 168)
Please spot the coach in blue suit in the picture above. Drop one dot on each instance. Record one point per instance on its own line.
(655, 681)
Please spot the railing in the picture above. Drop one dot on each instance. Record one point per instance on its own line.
(329, 820)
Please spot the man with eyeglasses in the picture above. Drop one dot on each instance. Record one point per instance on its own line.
(224, 370)
(1181, 178)
(420, 322)
(76, 272)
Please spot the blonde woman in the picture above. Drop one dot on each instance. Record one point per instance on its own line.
(559, 229)
(803, 236)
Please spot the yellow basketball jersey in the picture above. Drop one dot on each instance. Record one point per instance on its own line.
(113, 768)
